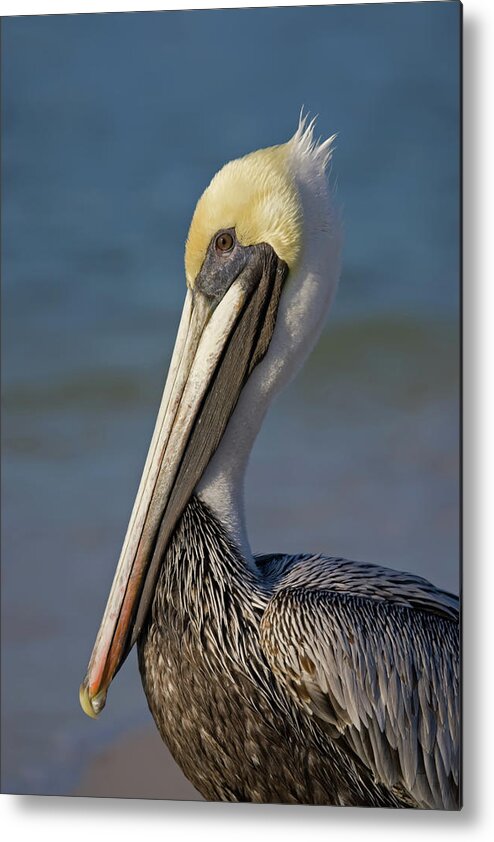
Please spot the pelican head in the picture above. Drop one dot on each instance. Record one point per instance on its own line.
(261, 265)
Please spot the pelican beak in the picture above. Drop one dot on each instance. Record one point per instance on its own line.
(221, 338)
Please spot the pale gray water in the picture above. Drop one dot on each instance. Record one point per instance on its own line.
(112, 127)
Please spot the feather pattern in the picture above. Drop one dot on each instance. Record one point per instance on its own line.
(305, 680)
(383, 649)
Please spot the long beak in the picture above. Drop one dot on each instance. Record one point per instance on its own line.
(215, 352)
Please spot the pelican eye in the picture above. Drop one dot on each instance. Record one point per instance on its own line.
(225, 260)
(224, 242)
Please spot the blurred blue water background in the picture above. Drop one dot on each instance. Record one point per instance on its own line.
(112, 127)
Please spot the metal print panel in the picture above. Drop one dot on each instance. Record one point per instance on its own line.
(283, 625)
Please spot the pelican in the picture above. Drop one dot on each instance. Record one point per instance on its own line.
(272, 678)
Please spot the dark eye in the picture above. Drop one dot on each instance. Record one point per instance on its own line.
(224, 242)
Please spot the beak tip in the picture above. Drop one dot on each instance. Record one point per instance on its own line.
(92, 707)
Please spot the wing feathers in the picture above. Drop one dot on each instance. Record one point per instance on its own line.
(383, 674)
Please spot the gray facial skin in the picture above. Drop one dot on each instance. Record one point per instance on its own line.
(221, 269)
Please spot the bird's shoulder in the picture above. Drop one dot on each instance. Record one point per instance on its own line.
(334, 577)
(372, 655)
